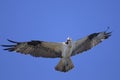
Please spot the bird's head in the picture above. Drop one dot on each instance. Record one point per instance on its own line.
(68, 40)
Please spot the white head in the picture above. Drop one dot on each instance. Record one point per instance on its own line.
(68, 40)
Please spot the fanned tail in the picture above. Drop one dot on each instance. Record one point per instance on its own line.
(64, 65)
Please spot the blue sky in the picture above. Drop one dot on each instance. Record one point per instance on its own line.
(55, 20)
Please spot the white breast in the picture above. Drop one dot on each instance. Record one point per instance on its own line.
(67, 50)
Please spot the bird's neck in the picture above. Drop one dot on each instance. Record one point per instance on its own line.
(68, 42)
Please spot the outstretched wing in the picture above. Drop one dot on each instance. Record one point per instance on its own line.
(89, 41)
(36, 48)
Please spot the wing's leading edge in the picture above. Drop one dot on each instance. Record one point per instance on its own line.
(36, 48)
(89, 41)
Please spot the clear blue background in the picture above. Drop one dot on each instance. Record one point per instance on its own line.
(54, 20)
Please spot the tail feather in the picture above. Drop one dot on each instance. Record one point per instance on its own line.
(64, 65)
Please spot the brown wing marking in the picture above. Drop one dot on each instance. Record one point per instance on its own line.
(36, 48)
(89, 41)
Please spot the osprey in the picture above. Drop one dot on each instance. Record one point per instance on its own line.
(62, 50)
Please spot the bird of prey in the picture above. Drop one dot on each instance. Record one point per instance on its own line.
(62, 50)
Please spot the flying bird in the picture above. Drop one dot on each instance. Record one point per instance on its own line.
(62, 50)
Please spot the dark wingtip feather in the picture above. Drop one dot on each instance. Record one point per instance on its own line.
(12, 41)
(107, 34)
(7, 45)
(9, 49)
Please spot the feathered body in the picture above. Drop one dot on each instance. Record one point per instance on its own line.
(62, 50)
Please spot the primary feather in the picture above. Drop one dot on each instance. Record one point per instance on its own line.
(63, 50)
